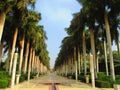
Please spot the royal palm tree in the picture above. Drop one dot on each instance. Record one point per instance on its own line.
(5, 8)
(19, 12)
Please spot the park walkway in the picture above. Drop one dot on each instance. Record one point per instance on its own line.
(42, 83)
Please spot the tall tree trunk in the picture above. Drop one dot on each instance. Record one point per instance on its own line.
(84, 52)
(8, 61)
(33, 61)
(14, 70)
(29, 65)
(118, 45)
(92, 61)
(13, 49)
(93, 49)
(75, 61)
(110, 47)
(97, 62)
(26, 58)
(92, 71)
(73, 64)
(1, 49)
(21, 54)
(79, 62)
(106, 62)
(2, 21)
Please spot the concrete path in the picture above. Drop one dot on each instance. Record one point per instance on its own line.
(42, 83)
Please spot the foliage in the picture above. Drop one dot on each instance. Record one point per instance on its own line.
(81, 77)
(117, 81)
(103, 84)
(3, 83)
(103, 77)
(23, 77)
(4, 79)
(103, 80)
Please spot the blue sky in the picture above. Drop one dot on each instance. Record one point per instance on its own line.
(56, 15)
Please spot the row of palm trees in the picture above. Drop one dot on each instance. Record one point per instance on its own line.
(94, 27)
(21, 33)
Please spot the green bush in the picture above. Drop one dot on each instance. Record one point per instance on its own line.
(103, 84)
(73, 76)
(69, 76)
(4, 79)
(22, 78)
(32, 75)
(117, 79)
(81, 78)
(103, 77)
(4, 83)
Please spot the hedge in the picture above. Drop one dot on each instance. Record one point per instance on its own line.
(103, 84)
(4, 83)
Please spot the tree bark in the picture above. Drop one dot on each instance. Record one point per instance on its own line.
(2, 21)
(110, 47)
(13, 49)
(92, 71)
(93, 49)
(21, 54)
(26, 58)
(33, 60)
(29, 65)
(97, 62)
(75, 61)
(106, 62)
(14, 70)
(1, 49)
(84, 53)
(8, 60)
(79, 62)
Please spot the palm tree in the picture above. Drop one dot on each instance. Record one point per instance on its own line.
(35, 19)
(19, 12)
(6, 7)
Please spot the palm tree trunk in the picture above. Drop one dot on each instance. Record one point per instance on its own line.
(75, 61)
(14, 70)
(2, 21)
(110, 47)
(21, 54)
(13, 49)
(92, 71)
(1, 49)
(118, 48)
(8, 61)
(66, 70)
(93, 49)
(26, 58)
(33, 61)
(106, 62)
(97, 62)
(79, 62)
(29, 65)
(84, 52)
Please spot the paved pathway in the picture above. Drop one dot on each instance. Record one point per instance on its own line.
(41, 83)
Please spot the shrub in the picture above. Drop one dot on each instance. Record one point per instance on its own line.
(4, 83)
(102, 76)
(103, 84)
(117, 81)
(73, 76)
(81, 77)
(4, 79)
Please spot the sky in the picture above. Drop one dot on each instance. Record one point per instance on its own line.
(56, 16)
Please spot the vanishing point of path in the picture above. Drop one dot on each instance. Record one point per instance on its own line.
(45, 83)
